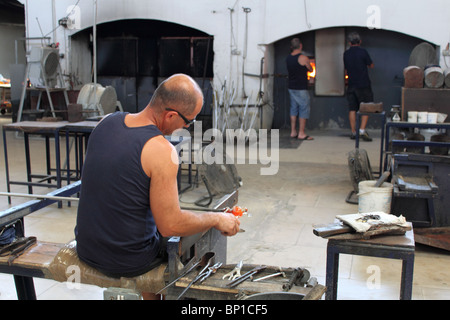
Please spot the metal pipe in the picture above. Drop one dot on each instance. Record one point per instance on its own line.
(244, 54)
(94, 43)
(202, 209)
(54, 21)
(37, 196)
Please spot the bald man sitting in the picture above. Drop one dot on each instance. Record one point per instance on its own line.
(129, 196)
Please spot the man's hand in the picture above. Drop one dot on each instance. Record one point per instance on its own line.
(228, 224)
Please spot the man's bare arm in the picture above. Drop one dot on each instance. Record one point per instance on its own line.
(304, 61)
(169, 218)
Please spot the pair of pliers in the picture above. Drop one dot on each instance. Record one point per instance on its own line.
(210, 271)
(235, 273)
(205, 273)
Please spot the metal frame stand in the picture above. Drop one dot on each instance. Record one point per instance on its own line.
(46, 87)
(373, 249)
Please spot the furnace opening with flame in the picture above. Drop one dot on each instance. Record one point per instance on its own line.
(312, 74)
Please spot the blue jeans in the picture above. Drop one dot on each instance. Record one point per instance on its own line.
(300, 105)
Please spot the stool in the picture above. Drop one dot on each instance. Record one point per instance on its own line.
(392, 247)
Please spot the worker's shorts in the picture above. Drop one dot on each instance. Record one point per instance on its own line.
(357, 95)
(300, 103)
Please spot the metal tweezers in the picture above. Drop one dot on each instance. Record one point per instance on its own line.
(17, 248)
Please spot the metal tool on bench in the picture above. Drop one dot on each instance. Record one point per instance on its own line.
(17, 248)
(202, 276)
(246, 276)
(191, 265)
(235, 273)
(206, 262)
(281, 273)
(210, 271)
(296, 276)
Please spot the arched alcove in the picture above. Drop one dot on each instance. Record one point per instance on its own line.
(390, 52)
(135, 55)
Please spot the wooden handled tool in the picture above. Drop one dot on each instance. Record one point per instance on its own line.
(382, 179)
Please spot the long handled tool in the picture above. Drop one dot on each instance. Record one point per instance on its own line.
(382, 179)
(246, 276)
(191, 265)
(206, 272)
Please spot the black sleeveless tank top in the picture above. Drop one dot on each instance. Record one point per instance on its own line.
(115, 231)
(298, 74)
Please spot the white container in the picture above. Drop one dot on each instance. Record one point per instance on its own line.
(412, 116)
(422, 117)
(432, 117)
(371, 199)
(427, 134)
(441, 117)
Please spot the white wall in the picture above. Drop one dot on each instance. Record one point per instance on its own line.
(268, 22)
(9, 33)
(429, 20)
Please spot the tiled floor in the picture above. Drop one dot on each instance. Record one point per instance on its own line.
(310, 188)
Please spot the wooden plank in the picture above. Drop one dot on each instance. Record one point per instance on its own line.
(34, 261)
(315, 293)
(434, 237)
(389, 230)
(407, 240)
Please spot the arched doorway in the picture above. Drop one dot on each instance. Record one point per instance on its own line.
(390, 52)
(135, 55)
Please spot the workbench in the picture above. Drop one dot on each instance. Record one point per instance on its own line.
(49, 130)
(420, 179)
(55, 130)
(215, 287)
(392, 247)
(405, 143)
(50, 260)
(23, 275)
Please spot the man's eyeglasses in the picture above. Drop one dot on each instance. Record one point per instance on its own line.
(186, 120)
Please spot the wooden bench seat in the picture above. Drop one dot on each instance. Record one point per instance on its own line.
(34, 262)
(60, 262)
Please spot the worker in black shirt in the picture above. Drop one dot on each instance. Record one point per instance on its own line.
(298, 66)
(356, 62)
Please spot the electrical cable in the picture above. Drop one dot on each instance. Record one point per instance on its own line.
(306, 15)
(73, 8)
(244, 54)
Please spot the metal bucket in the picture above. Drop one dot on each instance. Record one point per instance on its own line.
(276, 296)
